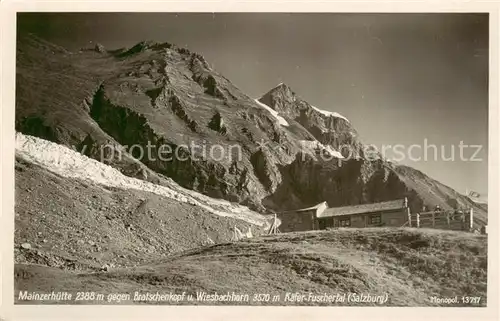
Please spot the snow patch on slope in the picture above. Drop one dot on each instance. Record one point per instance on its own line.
(68, 163)
(282, 121)
(310, 146)
(329, 113)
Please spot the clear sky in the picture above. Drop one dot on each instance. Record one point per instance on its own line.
(399, 78)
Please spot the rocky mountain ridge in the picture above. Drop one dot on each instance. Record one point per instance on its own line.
(163, 95)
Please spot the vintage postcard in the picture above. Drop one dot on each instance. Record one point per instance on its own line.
(208, 159)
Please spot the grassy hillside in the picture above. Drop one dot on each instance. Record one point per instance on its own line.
(407, 265)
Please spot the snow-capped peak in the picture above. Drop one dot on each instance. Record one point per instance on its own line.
(282, 121)
(329, 113)
(281, 84)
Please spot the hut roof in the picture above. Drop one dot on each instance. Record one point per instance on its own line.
(363, 208)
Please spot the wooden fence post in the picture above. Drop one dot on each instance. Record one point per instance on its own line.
(418, 220)
(433, 219)
(274, 229)
(409, 216)
(448, 219)
(471, 219)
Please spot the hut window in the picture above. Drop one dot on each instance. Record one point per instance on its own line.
(375, 219)
(343, 222)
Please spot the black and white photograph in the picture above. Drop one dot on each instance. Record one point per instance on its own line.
(326, 159)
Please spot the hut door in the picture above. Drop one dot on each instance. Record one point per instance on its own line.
(325, 223)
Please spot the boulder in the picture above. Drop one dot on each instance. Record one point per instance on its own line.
(99, 48)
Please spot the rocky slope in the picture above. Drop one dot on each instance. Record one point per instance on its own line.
(75, 213)
(163, 95)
